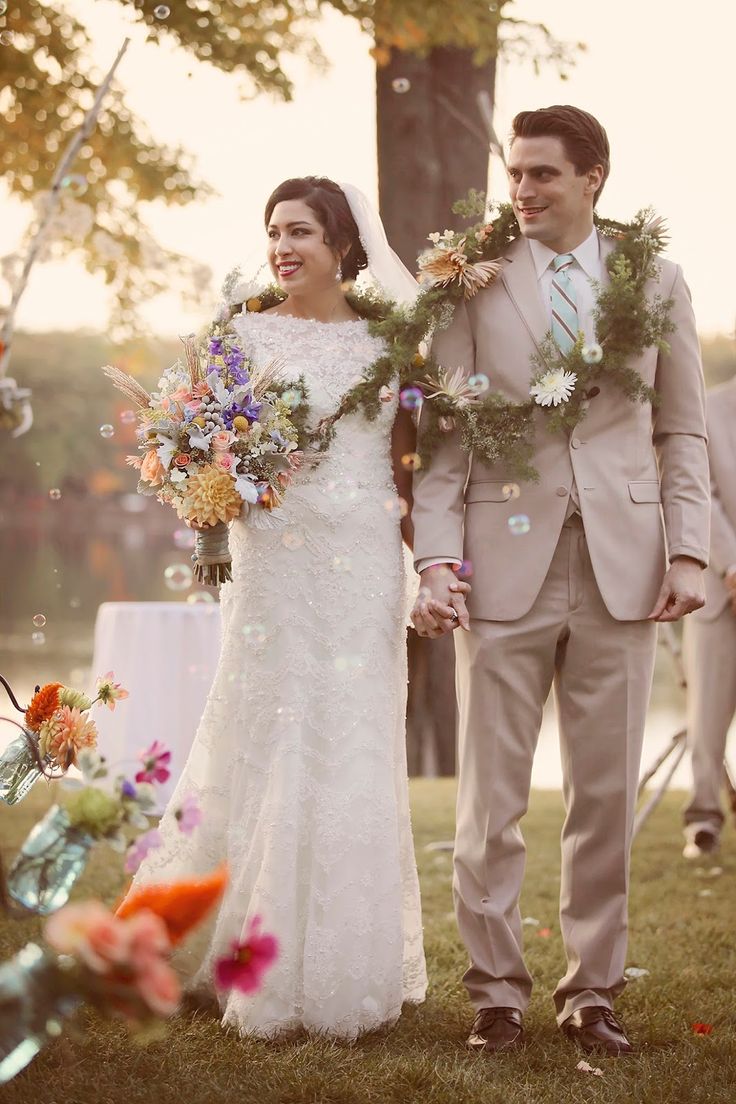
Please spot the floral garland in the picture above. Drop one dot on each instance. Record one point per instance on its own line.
(456, 267)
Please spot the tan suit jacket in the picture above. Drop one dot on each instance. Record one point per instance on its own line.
(721, 421)
(641, 475)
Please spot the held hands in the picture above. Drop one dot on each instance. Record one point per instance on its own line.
(682, 590)
(440, 607)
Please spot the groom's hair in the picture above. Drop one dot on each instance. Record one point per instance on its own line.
(584, 139)
(328, 201)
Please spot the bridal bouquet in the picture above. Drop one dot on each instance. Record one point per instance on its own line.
(219, 437)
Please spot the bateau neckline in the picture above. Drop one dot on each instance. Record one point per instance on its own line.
(303, 321)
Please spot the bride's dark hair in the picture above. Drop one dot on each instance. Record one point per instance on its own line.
(327, 200)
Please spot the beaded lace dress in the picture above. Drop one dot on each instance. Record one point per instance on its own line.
(299, 763)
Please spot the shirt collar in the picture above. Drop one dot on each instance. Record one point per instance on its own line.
(587, 254)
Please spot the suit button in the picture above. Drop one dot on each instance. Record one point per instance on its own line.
(576, 442)
(562, 492)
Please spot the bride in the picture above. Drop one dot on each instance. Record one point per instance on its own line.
(299, 762)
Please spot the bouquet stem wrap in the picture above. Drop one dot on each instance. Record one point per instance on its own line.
(212, 557)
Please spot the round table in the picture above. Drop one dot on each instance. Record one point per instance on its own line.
(165, 655)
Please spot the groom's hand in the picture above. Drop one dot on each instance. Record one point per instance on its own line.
(682, 590)
(440, 607)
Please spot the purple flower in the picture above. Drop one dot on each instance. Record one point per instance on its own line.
(249, 410)
(127, 789)
(137, 851)
(215, 346)
(189, 815)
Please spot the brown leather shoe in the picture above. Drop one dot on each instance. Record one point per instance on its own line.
(597, 1031)
(496, 1029)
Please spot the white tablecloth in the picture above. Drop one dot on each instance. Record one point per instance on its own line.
(164, 654)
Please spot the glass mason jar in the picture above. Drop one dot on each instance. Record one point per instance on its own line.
(19, 768)
(49, 863)
(35, 998)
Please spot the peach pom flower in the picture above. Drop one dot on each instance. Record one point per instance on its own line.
(152, 470)
(64, 734)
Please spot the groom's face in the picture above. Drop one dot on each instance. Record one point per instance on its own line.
(552, 201)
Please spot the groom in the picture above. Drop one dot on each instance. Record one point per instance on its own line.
(618, 540)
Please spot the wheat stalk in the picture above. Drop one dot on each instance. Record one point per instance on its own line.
(127, 385)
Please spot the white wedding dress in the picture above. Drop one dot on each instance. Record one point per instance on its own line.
(299, 763)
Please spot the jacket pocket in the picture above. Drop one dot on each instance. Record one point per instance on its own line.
(488, 490)
(645, 490)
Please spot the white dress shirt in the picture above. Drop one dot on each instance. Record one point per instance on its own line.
(586, 268)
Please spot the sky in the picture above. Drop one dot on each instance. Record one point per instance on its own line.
(660, 82)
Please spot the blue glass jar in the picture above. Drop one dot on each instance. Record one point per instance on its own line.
(49, 863)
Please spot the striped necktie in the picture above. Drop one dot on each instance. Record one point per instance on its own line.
(564, 307)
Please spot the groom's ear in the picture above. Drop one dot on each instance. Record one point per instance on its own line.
(594, 179)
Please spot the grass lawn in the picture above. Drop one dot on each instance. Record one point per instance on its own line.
(682, 931)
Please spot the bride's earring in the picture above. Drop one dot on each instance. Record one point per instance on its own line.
(338, 274)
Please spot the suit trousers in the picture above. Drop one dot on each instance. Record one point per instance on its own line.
(602, 673)
(710, 663)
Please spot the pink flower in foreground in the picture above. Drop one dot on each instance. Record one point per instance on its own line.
(189, 815)
(148, 938)
(137, 851)
(90, 933)
(224, 460)
(155, 761)
(248, 961)
(158, 986)
(109, 692)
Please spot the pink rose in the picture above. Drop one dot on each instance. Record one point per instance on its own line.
(221, 441)
(225, 461)
(182, 460)
(152, 470)
(158, 986)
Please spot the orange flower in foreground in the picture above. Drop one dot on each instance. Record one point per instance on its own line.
(181, 905)
(43, 704)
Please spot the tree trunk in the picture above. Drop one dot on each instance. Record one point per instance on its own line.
(432, 144)
(432, 148)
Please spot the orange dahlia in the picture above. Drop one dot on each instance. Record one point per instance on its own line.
(64, 734)
(43, 704)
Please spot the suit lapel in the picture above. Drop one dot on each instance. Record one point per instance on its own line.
(519, 277)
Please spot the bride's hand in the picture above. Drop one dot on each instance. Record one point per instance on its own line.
(198, 528)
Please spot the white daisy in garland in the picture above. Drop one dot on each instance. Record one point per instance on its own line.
(554, 387)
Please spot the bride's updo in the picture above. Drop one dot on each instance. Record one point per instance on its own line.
(332, 209)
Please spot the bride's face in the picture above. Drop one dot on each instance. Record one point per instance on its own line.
(299, 257)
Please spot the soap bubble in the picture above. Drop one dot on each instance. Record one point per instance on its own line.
(464, 570)
(292, 540)
(38, 638)
(342, 563)
(107, 430)
(479, 383)
(396, 506)
(184, 538)
(39, 620)
(6, 38)
(75, 184)
(200, 598)
(292, 397)
(401, 85)
(162, 11)
(592, 354)
(411, 398)
(128, 417)
(255, 633)
(511, 490)
(3, 7)
(75, 603)
(519, 525)
(412, 461)
(178, 576)
(54, 494)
